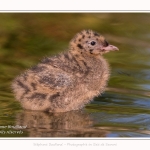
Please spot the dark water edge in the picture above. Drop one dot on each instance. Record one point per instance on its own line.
(122, 111)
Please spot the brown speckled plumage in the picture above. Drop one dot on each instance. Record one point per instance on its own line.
(69, 80)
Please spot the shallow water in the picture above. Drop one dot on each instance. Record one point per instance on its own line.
(122, 111)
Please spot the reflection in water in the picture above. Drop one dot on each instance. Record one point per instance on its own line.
(68, 124)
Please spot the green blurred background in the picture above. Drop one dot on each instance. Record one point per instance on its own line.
(25, 38)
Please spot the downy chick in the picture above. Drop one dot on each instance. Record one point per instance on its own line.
(68, 80)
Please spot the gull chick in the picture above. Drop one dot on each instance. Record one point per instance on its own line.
(68, 80)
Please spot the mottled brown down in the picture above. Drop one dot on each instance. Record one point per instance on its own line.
(68, 80)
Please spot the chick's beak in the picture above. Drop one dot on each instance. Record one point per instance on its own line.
(110, 48)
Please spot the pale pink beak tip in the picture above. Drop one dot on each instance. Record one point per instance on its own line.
(111, 48)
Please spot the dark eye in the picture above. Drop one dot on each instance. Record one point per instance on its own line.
(93, 43)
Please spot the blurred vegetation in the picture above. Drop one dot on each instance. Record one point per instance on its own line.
(25, 38)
